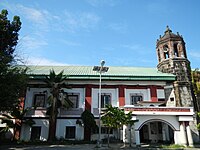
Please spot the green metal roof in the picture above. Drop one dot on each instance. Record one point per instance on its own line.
(114, 73)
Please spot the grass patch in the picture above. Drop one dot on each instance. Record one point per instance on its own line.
(173, 146)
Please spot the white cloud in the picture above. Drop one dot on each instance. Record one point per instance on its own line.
(44, 20)
(83, 20)
(28, 42)
(38, 17)
(32, 14)
(194, 54)
(40, 61)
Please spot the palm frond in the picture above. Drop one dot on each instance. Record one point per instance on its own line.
(5, 129)
(59, 77)
(9, 122)
(50, 100)
(7, 116)
(66, 103)
(16, 113)
(49, 110)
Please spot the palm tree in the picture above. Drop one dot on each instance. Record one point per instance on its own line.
(56, 100)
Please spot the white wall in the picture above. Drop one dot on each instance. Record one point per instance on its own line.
(81, 92)
(161, 93)
(30, 95)
(61, 128)
(26, 130)
(170, 119)
(171, 95)
(114, 97)
(144, 92)
(61, 124)
(31, 91)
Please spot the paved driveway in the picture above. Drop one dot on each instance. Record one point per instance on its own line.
(81, 147)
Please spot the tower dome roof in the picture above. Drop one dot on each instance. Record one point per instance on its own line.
(168, 34)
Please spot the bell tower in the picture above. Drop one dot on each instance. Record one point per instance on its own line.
(172, 58)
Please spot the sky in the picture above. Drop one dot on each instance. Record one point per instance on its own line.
(84, 32)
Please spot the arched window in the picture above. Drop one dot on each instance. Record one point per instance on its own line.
(166, 51)
(176, 50)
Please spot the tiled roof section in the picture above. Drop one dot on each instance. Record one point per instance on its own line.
(114, 73)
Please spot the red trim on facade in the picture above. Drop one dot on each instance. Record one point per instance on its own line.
(121, 95)
(159, 109)
(153, 91)
(88, 98)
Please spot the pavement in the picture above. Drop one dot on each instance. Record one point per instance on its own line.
(86, 147)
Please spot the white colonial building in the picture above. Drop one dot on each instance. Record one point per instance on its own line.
(140, 90)
(160, 99)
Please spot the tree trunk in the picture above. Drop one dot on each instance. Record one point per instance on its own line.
(87, 134)
(109, 137)
(52, 122)
(130, 136)
(52, 128)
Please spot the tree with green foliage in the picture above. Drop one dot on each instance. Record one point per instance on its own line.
(115, 117)
(15, 119)
(196, 89)
(128, 121)
(56, 83)
(13, 78)
(112, 119)
(88, 121)
(198, 125)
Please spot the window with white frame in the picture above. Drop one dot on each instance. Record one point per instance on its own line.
(74, 98)
(135, 98)
(39, 100)
(105, 99)
(70, 132)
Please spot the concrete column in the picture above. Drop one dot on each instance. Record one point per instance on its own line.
(137, 137)
(133, 134)
(125, 134)
(183, 139)
(176, 137)
(189, 135)
(129, 134)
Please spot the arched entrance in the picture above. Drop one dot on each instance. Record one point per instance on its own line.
(156, 131)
